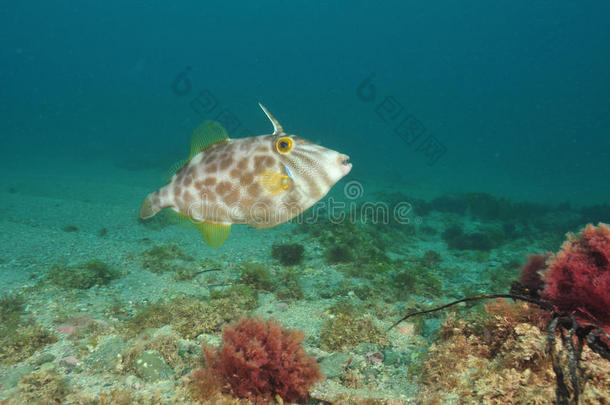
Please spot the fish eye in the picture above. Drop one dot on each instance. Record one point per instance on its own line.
(284, 144)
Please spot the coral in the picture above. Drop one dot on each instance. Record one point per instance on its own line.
(256, 275)
(260, 360)
(345, 331)
(288, 254)
(578, 276)
(43, 387)
(82, 276)
(530, 276)
(162, 258)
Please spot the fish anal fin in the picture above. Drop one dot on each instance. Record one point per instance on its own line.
(205, 135)
(178, 218)
(214, 234)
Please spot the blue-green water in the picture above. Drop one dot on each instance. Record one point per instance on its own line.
(493, 99)
(516, 92)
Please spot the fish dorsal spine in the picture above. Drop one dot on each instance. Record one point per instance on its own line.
(277, 127)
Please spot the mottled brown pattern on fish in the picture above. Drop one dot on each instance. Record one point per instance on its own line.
(243, 163)
(246, 179)
(224, 183)
(226, 163)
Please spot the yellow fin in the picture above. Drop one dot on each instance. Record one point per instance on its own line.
(180, 219)
(205, 135)
(274, 182)
(214, 234)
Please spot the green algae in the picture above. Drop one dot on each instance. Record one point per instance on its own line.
(483, 239)
(11, 308)
(416, 279)
(347, 242)
(288, 287)
(256, 275)
(18, 342)
(20, 337)
(45, 386)
(82, 276)
(288, 254)
(163, 258)
(191, 316)
(345, 331)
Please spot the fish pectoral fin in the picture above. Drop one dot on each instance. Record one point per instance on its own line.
(205, 135)
(274, 182)
(214, 234)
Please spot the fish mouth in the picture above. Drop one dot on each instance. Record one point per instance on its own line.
(346, 166)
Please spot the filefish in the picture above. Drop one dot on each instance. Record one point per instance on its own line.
(261, 181)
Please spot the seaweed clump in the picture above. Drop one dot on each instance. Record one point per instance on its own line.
(261, 361)
(163, 258)
(346, 242)
(288, 285)
(43, 387)
(82, 276)
(288, 254)
(483, 240)
(464, 362)
(578, 276)
(20, 337)
(256, 275)
(347, 329)
(166, 345)
(416, 279)
(191, 317)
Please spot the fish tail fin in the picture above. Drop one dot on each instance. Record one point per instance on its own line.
(150, 206)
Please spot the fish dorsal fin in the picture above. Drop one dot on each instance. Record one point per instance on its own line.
(214, 234)
(277, 128)
(206, 135)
